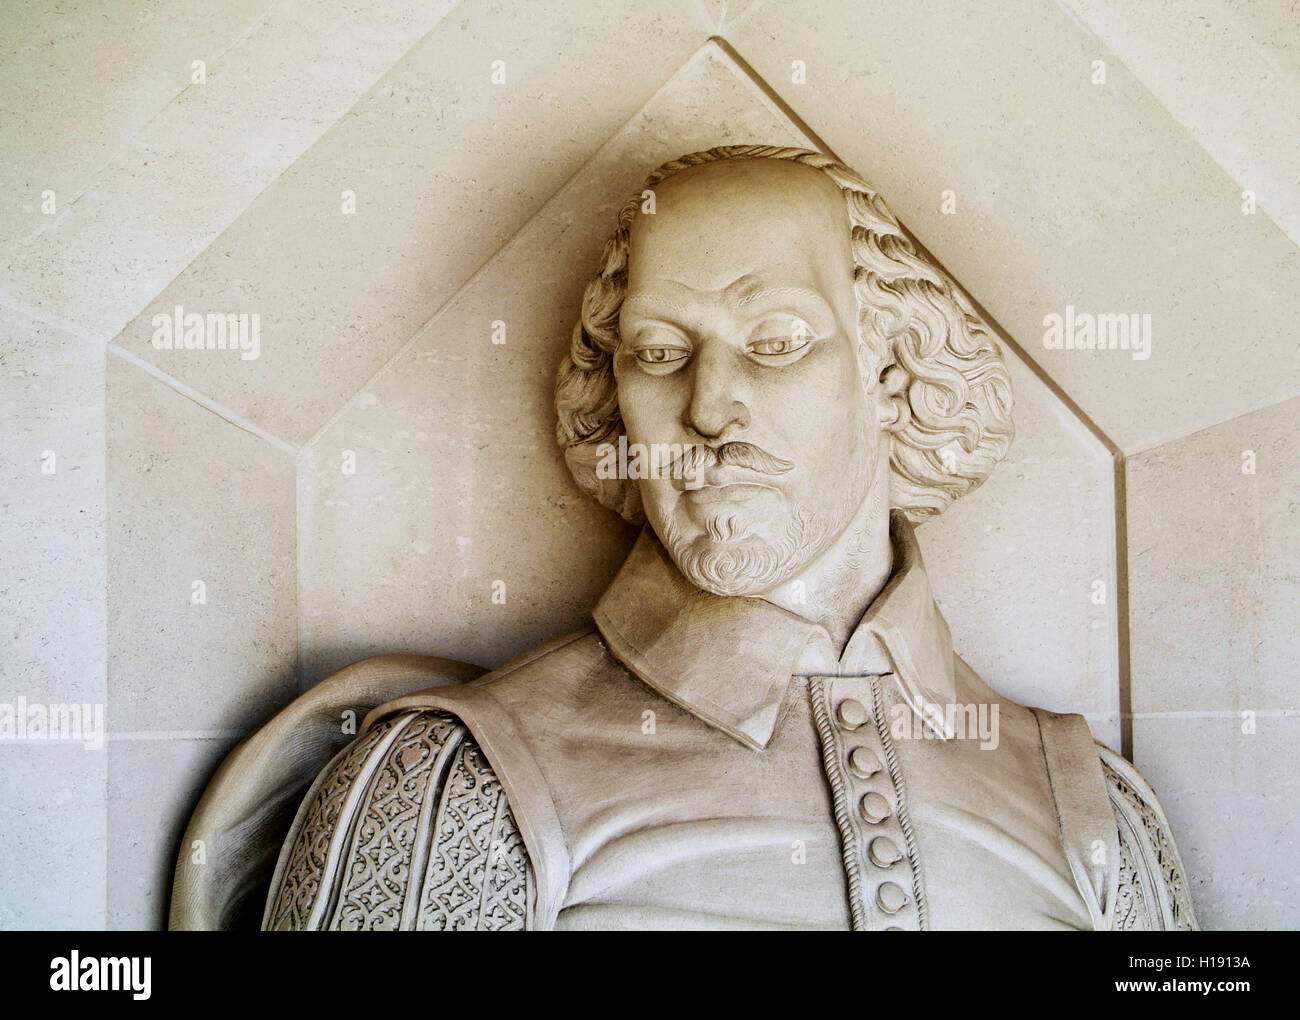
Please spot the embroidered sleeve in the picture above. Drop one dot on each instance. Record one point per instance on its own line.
(1153, 893)
(408, 828)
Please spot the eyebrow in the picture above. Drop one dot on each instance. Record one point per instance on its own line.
(780, 292)
(655, 299)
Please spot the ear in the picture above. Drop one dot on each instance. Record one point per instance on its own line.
(892, 405)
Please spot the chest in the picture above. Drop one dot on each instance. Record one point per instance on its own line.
(849, 818)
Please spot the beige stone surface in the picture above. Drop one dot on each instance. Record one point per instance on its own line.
(1015, 566)
(722, 16)
(52, 586)
(445, 166)
(52, 798)
(81, 79)
(146, 819)
(1230, 798)
(192, 497)
(1207, 63)
(1068, 193)
(1114, 198)
(52, 839)
(1272, 28)
(1214, 567)
(200, 159)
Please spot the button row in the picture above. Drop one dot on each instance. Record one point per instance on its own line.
(864, 763)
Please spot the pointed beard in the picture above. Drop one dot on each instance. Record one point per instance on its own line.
(727, 559)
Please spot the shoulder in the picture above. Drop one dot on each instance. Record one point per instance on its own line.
(444, 779)
(1153, 892)
(1114, 832)
(249, 804)
(409, 827)
(562, 654)
(540, 705)
(1015, 725)
(543, 675)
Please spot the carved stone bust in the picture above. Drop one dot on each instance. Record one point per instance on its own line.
(766, 724)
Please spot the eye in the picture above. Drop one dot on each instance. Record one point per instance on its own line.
(783, 343)
(661, 360)
(660, 355)
(778, 346)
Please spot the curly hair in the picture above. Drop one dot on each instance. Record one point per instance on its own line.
(953, 393)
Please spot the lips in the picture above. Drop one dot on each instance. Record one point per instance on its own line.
(726, 489)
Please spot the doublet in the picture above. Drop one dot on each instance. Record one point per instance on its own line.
(692, 761)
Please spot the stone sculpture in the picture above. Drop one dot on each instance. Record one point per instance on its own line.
(766, 725)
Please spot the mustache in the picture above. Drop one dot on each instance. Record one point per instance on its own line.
(696, 459)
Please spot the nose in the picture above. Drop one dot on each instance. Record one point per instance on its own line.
(717, 407)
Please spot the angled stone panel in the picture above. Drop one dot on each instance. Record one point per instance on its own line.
(184, 176)
(77, 87)
(1024, 567)
(722, 16)
(1209, 63)
(1067, 193)
(443, 165)
(1214, 568)
(192, 498)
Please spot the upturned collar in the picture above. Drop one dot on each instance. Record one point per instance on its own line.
(729, 661)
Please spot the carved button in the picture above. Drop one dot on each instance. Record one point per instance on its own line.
(874, 808)
(891, 898)
(852, 713)
(884, 852)
(863, 762)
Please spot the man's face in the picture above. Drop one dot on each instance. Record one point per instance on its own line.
(739, 335)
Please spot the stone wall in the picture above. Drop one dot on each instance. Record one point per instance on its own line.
(384, 195)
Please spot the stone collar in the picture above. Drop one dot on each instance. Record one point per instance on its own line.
(729, 661)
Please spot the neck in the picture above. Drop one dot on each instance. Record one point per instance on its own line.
(836, 588)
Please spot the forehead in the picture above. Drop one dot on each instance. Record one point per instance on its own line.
(772, 220)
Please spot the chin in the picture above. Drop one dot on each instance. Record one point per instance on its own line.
(726, 557)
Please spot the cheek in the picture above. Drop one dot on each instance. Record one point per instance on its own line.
(828, 404)
(851, 398)
(648, 405)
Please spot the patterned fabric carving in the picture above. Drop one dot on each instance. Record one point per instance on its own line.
(1153, 885)
(1130, 904)
(385, 836)
(478, 873)
(301, 883)
(408, 828)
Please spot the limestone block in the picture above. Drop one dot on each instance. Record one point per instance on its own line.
(202, 613)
